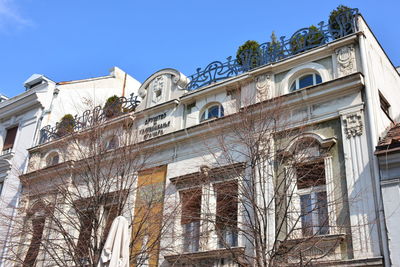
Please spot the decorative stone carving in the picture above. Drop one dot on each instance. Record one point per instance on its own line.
(263, 86)
(353, 124)
(158, 87)
(346, 61)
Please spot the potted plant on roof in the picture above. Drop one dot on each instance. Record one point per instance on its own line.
(112, 107)
(305, 39)
(66, 125)
(340, 21)
(248, 55)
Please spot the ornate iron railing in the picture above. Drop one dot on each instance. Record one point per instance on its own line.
(89, 118)
(304, 39)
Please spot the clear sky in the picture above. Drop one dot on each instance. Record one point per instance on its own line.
(77, 39)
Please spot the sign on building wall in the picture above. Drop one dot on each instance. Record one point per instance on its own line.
(147, 223)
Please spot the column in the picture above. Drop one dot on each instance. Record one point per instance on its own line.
(363, 218)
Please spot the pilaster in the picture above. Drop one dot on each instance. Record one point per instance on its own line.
(359, 184)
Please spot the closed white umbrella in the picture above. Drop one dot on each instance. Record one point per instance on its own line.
(115, 252)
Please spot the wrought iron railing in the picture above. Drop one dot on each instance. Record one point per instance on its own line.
(89, 118)
(304, 39)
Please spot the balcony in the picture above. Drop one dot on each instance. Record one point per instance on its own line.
(89, 118)
(302, 40)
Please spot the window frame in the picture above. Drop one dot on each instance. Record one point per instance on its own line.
(296, 81)
(7, 144)
(293, 200)
(206, 111)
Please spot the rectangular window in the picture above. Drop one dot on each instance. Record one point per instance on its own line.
(227, 214)
(311, 186)
(190, 220)
(385, 106)
(10, 138)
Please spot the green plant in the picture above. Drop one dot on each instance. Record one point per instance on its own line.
(334, 23)
(275, 49)
(247, 54)
(112, 107)
(66, 125)
(306, 39)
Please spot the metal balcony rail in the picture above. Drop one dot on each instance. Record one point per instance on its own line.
(89, 118)
(302, 40)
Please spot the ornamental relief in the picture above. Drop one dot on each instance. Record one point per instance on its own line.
(263, 86)
(353, 124)
(158, 87)
(346, 61)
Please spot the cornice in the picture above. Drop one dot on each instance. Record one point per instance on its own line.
(18, 105)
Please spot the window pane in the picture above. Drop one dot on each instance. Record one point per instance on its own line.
(306, 81)
(322, 208)
(293, 87)
(191, 236)
(213, 112)
(318, 78)
(203, 116)
(306, 215)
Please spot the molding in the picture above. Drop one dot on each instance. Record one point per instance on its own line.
(296, 72)
(178, 79)
(353, 124)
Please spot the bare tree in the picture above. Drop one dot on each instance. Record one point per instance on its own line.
(269, 191)
(73, 193)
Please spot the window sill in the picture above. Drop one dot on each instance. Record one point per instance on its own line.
(208, 254)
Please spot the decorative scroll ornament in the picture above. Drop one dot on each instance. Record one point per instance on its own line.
(263, 86)
(353, 125)
(345, 57)
(302, 40)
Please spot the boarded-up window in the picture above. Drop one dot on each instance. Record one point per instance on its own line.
(33, 251)
(10, 138)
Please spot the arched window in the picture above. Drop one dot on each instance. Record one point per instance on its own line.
(213, 111)
(52, 159)
(112, 142)
(305, 80)
(37, 216)
(310, 173)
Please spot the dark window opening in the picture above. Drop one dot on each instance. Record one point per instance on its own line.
(227, 214)
(190, 221)
(33, 251)
(385, 106)
(10, 138)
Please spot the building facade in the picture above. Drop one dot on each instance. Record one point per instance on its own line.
(269, 162)
(44, 102)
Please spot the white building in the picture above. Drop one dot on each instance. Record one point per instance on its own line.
(336, 90)
(43, 103)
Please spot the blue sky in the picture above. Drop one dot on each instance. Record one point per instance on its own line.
(77, 39)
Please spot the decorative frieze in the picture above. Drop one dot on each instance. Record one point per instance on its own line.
(353, 124)
(346, 60)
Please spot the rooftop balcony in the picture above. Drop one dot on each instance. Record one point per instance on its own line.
(301, 41)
